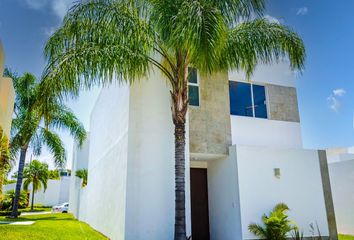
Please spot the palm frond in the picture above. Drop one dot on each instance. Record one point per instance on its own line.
(82, 174)
(260, 41)
(257, 230)
(56, 147)
(99, 39)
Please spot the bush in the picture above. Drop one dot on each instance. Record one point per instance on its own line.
(7, 213)
(276, 225)
(9, 198)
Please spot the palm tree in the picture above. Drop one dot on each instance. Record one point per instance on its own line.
(4, 159)
(99, 39)
(276, 224)
(36, 173)
(33, 126)
(82, 174)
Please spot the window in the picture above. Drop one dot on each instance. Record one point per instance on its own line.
(247, 100)
(193, 87)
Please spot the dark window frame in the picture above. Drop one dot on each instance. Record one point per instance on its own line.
(197, 85)
(253, 99)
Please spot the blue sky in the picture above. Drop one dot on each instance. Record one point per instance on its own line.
(325, 89)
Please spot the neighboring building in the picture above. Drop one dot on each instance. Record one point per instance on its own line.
(57, 192)
(341, 171)
(7, 96)
(243, 156)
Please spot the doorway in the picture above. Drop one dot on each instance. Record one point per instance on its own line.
(199, 204)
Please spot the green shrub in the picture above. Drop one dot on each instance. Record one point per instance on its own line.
(9, 198)
(276, 225)
(7, 213)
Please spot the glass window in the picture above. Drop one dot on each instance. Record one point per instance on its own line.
(193, 87)
(247, 100)
(259, 100)
(192, 75)
(240, 99)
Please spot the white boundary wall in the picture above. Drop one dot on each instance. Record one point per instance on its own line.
(57, 192)
(342, 184)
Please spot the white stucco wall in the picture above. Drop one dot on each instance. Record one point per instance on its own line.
(342, 182)
(224, 201)
(80, 161)
(150, 178)
(106, 189)
(57, 192)
(265, 132)
(277, 74)
(299, 186)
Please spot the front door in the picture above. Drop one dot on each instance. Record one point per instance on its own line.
(199, 204)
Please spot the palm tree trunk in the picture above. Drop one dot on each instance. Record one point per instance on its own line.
(2, 177)
(21, 165)
(180, 209)
(32, 198)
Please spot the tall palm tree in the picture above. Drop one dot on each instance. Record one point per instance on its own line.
(34, 126)
(4, 158)
(99, 39)
(36, 173)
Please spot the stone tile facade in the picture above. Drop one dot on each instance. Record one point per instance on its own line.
(282, 103)
(209, 123)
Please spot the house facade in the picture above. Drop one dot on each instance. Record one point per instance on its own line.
(7, 96)
(243, 156)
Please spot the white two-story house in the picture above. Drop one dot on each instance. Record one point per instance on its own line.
(243, 156)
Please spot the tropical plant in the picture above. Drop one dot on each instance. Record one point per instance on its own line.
(82, 174)
(123, 39)
(35, 173)
(9, 198)
(53, 174)
(33, 126)
(276, 225)
(315, 232)
(4, 159)
(296, 234)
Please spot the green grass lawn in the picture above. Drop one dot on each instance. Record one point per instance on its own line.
(345, 237)
(36, 209)
(48, 226)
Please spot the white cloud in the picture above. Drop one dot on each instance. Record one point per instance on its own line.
(60, 7)
(36, 4)
(48, 31)
(333, 103)
(339, 92)
(302, 11)
(271, 19)
(333, 99)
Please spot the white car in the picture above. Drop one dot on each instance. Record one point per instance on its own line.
(62, 208)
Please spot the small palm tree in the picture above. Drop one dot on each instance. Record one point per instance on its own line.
(82, 174)
(4, 159)
(33, 126)
(37, 174)
(100, 39)
(276, 224)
